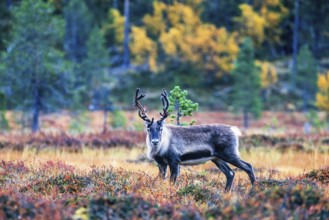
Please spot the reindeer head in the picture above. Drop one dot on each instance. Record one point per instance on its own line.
(154, 129)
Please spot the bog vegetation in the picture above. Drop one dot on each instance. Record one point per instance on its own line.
(91, 184)
(107, 175)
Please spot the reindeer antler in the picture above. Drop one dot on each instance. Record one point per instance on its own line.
(165, 103)
(142, 111)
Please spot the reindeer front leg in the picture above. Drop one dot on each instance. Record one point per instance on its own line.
(174, 171)
(162, 167)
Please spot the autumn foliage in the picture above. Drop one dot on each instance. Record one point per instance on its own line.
(322, 97)
(59, 191)
(178, 31)
(72, 142)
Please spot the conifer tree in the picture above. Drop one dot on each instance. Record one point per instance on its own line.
(35, 70)
(5, 26)
(247, 83)
(97, 82)
(181, 106)
(78, 25)
(306, 76)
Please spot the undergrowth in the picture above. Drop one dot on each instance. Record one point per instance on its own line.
(56, 190)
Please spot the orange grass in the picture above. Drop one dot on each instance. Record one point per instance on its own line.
(140, 178)
(285, 164)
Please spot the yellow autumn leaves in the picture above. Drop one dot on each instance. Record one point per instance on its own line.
(180, 34)
(322, 97)
(268, 74)
(116, 26)
(262, 24)
(177, 31)
(251, 23)
(143, 48)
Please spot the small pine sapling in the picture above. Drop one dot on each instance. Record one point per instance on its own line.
(181, 106)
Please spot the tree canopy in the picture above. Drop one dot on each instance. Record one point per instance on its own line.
(36, 75)
(69, 51)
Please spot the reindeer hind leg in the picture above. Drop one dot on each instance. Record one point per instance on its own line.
(229, 173)
(236, 161)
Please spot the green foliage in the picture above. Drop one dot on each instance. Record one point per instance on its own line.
(247, 83)
(78, 24)
(35, 69)
(306, 75)
(79, 122)
(318, 123)
(4, 124)
(5, 24)
(306, 66)
(188, 43)
(181, 105)
(118, 120)
(95, 82)
(138, 125)
(199, 193)
(113, 28)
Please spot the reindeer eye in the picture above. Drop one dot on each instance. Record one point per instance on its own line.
(148, 129)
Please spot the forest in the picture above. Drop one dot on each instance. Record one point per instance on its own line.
(72, 144)
(88, 54)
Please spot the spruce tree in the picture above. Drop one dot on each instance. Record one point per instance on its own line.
(306, 76)
(247, 83)
(181, 106)
(78, 25)
(5, 24)
(35, 73)
(97, 80)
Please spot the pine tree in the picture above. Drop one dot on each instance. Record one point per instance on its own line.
(78, 25)
(34, 70)
(5, 26)
(247, 83)
(306, 76)
(4, 125)
(96, 79)
(181, 106)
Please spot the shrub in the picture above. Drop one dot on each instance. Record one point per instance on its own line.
(321, 175)
(118, 120)
(198, 193)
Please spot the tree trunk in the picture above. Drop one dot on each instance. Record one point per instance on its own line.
(126, 53)
(295, 45)
(245, 119)
(178, 117)
(36, 111)
(105, 120)
(305, 99)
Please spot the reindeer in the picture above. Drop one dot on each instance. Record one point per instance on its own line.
(173, 146)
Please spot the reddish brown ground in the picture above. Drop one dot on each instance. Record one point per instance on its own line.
(269, 122)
